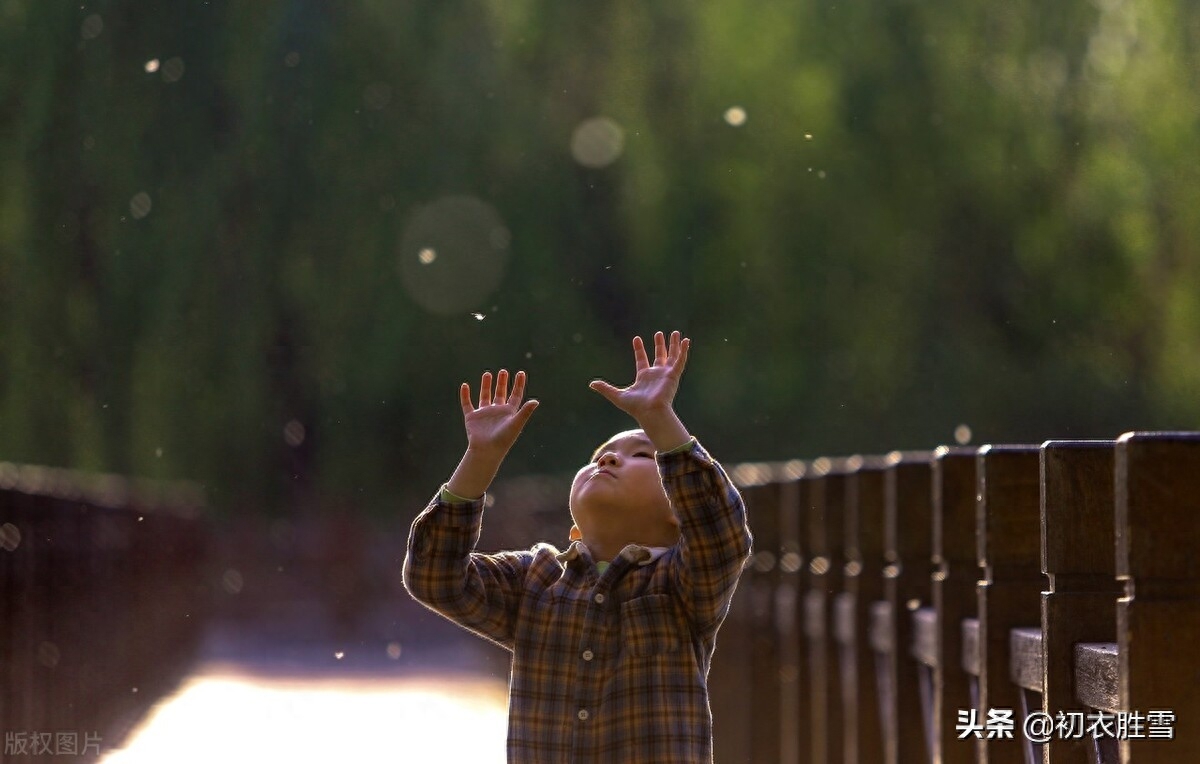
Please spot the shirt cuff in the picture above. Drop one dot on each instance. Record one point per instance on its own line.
(684, 446)
(452, 498)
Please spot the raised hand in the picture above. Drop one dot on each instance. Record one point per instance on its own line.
(492, 428)
(495, 424)
(649, 399)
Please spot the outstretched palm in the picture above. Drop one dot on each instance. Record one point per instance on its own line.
(654, 385)
(494, 425)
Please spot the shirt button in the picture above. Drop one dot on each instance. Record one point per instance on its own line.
(588, 655)
(583, 715)
(599, 598)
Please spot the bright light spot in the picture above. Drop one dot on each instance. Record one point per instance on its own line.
(808, 136)
(92, 27)
(819, 566)
(172, 69)
(234, 719)
(293, 433)
(291, 60)
(139, 205)
(735, 116)
(339, 655)
(427, 256)
(152, 66)
(913, 604)
(10, 537)
(791, 562)
(597, 142)
(962, 435)
(479, 316)
(393, 650)
(764, 561)
(232, 581)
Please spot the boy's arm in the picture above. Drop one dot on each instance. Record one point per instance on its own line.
(443, 572)
(715, 538)
(441, 569)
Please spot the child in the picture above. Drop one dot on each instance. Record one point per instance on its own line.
(611, 639)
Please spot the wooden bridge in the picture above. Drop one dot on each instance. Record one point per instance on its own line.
(1010, 603)
(102, 600)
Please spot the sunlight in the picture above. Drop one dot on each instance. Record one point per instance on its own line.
(235, 718)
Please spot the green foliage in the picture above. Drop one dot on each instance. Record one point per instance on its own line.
(876, 222)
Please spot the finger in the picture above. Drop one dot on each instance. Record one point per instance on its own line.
(681, 361)
(518, 391)
(501, 387)
(673, 348)
(523, 414)
(485, 389)
(640, 361)
(464, 398)
(660, 349)
(613, 394)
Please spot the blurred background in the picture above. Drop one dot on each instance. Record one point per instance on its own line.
(257, 246)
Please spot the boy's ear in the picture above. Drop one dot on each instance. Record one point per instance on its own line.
(575, 533)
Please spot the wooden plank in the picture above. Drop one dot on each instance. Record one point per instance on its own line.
(1097, 680)
(908, 535)
(826, 482)
(1008, 534)
(925, 636)
(1077, 508)
(763, 574)
(1025, 658)
(1158, 619)
(955, 574)
(863, 585)
(787, 620)
(801, 543)
(971, 654)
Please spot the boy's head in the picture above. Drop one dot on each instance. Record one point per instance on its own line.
(617, 498)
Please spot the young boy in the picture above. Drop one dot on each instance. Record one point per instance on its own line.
(611, 639)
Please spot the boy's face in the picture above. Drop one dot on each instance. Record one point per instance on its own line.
(619, 494)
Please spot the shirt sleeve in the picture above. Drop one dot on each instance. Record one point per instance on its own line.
(442, 570)
(715, 538)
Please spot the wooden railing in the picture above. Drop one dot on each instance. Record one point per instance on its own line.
(1011, 603)
(102, 600)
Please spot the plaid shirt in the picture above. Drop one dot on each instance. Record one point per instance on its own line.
(607, 667)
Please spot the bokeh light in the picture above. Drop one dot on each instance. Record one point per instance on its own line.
(597, 142)
(453, 254)
(735, 116)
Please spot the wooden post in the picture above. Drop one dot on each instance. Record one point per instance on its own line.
(826, 496)
(792, 712)
(862, 727)
(1077, 508)
(1008, 535)
(761, 582)
(1158, 619)
(955, 575)
(907, 541)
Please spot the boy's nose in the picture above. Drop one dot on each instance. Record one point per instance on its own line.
(608, 459)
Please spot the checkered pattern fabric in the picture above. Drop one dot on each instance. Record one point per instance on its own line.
(607, 667)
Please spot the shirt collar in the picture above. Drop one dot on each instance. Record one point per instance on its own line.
(642, 555)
